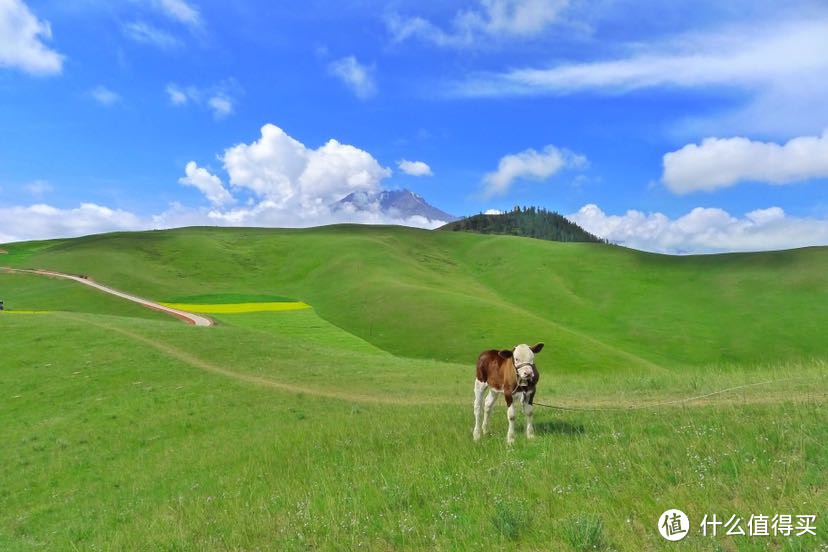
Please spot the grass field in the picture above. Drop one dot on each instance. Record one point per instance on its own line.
(238, 308)
(348, 425)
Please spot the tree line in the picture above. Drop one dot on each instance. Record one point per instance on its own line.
(530, 222)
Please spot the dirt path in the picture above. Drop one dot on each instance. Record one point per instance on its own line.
(196, 362)
(590, 408)
(188, 317)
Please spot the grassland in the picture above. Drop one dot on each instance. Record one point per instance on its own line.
(348, 426)
(239, 308)
(411, 292)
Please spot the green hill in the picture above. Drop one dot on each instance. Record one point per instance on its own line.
(530, 222)
(448, 295)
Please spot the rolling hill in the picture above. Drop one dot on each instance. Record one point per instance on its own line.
(447, 295)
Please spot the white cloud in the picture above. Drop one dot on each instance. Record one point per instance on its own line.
(209, 184)
(104, 96)
(286, 184)
(529, 164)
(282, 170)
(177, 96)
(180, 11)
(779, 71)
(492, 212)
(21, 41)
(744, 57)
(222, 106)
(414, 168)
(44, 221)
(722, 162)
(704, 230)
(496, 19)
(145, 33)
(38, 188)
(358, 77)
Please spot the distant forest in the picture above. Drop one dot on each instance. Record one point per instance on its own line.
(530, 222)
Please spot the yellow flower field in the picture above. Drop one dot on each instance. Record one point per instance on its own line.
(238, 308)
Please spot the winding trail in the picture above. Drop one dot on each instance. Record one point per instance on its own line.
(197, 362)
(188, 317)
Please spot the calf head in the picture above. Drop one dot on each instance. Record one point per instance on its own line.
(524, 358)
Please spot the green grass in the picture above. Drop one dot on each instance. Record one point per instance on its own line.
(346, 426)
(227, 298)
(446, 295)
(149, 451)
(28, 292)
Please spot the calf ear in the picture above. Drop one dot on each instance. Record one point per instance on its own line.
(537, 348)
(505, 353)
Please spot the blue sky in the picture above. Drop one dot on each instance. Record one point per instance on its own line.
(675, 127)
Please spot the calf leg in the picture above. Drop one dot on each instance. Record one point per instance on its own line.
(487, 411)
(479, 388)
(528, 411)
(510, 414)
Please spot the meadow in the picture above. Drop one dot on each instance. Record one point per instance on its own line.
(348, 424)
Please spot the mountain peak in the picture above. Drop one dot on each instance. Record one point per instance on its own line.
(401, 203)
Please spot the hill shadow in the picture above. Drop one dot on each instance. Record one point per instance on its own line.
(558, 426)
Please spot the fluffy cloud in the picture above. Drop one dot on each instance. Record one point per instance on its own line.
(279, 182)
(704, 230)
(358, 77)
(44, 221)
(494, 19)
(414, 168)
(492, 212)
(21, 41)
(208, 184)
(286, 173)
(722, 162)
(529, 164)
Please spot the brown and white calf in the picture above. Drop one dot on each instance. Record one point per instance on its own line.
(512, 373)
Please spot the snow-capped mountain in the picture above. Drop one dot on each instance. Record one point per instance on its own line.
(397, 204)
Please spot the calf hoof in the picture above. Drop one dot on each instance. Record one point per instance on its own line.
(476, 434)
(510, 440)
(530, 436)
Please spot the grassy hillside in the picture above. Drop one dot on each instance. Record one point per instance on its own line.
(446, 295)
(28, 292)
(123, 429)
